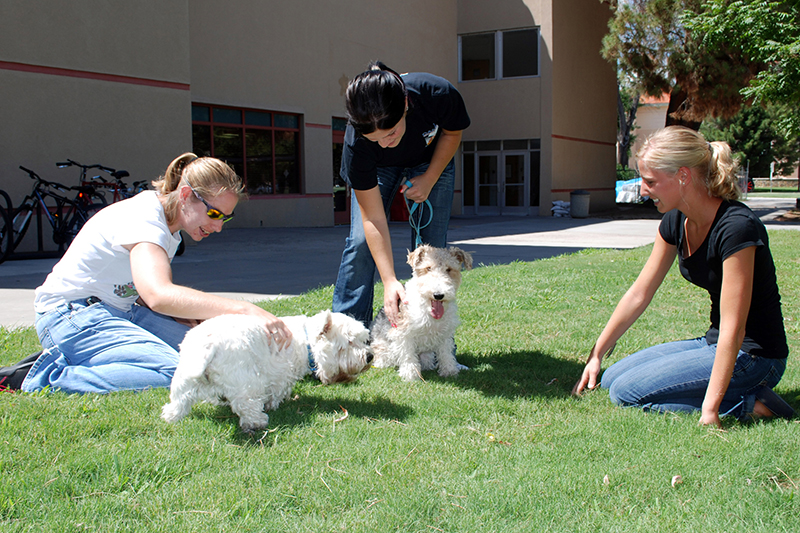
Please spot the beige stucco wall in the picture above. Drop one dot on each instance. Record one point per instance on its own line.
(570, 106)
(584, 104)
(282, 56)
(649, 119)
(49, 115)
(298, 57)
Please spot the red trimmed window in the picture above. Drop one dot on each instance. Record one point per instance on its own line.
(262, 146)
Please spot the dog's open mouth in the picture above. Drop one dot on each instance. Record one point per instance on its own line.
(437, 309)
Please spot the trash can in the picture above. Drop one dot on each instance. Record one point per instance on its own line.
(579, 204)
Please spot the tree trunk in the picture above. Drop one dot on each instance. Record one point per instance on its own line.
(625, 128)
(678, 105)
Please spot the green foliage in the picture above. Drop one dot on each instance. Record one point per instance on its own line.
(649, 43)
(502, 447)
(764, 32)
(756, 135)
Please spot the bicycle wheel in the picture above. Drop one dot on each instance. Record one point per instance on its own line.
(6, 234)
(7, 199)
(75, 218)
(21, 221)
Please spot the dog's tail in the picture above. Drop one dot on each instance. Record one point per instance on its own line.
(195, 366)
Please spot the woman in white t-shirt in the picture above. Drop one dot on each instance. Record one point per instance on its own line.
(109, 316)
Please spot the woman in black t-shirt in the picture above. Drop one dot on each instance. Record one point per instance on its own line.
(724, 248)
(401, 129)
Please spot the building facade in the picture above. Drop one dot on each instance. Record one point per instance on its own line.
(260, 83)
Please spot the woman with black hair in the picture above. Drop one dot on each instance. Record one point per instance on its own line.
(401, 129)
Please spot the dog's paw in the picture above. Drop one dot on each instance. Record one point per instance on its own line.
(448, 371)
(172, 412)
(410, 373)
(255, 423)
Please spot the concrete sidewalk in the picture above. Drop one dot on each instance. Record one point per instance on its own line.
(263, 263)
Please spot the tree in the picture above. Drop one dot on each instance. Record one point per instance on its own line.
(756, 136)
(627, 105)
(650, 45)
(763, 32)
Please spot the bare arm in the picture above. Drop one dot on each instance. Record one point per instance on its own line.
(446, 148)
(152, 276)
(734, 305)
(376, 231)
(629, 308)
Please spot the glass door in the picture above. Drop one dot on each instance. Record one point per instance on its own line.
(488, 184)
(514, 183)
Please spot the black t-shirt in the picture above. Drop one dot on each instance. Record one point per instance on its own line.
(433, 104)
(735, 228)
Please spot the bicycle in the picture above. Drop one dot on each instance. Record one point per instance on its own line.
(99, 184)
(6, 228)
(65, 215)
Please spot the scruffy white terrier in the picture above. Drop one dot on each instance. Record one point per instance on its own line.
(231, 358)
(424, 336)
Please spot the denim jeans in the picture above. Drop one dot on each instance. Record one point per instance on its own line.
(674, 377)
(98, 348)
(353, 294)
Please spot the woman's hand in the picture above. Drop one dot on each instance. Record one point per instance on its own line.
(421, 187)
(710, 419)
(276, 328)
(393, 294)
(589, 377)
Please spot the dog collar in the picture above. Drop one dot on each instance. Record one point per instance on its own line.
(311, 364)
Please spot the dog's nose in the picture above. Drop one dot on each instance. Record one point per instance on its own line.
(438, 296)
(369, 358)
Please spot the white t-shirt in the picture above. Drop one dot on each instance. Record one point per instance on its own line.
(97, 264)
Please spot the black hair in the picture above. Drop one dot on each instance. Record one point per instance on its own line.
(375, 99)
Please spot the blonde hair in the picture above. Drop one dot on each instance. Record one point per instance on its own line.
(673, 147)
(206, 175)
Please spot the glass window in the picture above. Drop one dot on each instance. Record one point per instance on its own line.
(257, 118)
(267, 158)
(285, 121)
(520, 53)
(201, 114)
(228, 116)
(477, 56)
(488, 145)
(201, 140)
(259, 161)
(521, 144)
(468, 182)
(498, 55)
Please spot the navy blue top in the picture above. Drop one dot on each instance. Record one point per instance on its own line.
(735, 228)
(433, 104)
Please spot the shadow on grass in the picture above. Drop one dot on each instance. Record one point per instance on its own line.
(305, 409)
(515, 375)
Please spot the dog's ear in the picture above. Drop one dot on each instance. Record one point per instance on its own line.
(462, 256)
(417, 255)
(327, 324)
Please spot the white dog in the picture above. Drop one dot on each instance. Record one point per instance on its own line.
(426, 328)
(232, 358)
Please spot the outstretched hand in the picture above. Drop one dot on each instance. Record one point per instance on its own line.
(589, 376)
(393, 295)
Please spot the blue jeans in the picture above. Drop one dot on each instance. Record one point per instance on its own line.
(674, 377)
(353, 294)
(98, 348)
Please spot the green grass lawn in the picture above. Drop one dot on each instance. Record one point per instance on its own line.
(503, 447)
(776, 192)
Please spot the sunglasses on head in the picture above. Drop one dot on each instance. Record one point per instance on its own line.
(212, 212)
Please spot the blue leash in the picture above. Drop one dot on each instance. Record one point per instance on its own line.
(417, 225)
